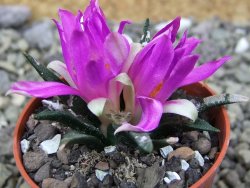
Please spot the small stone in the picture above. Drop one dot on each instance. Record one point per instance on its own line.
(172, 140)
(34, 160)
(232, 178)
(173, 176)
(244, 157)
(22, 45)
(192, 135)
(52, 183)
(212, 152)
(128, 185)
(40, 35)
(185, 153)
(17, 100)
(44, 132)
(4, 82)
(207, 135)
(242, 46)
(14, 16)
(192, 175)
(109, 149)
(78, 181)
(167, 180)
(174, 164)
(150, 176)
(203, 145)
(31, 123)
(5, 174)
(104, 166)
(184, 165)
(194, 163)
(72, 168)
(199, 157)
(165, 151)
(100, 174)
(25, 145)
(42, 173)
(51, 146)
(63, 155)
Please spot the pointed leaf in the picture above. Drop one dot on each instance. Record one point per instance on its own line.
(68, 119)
(142, 141)
(219, 100)
(74, 137)
(202, 125)
(79, 106)
(44, 72)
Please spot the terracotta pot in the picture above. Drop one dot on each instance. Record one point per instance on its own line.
(218, 116)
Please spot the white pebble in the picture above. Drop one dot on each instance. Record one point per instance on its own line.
(173, 176)
(206, 134)
(109, 149)
(100, 174)
(51, 146)
(242, 46)
(172, 140)
(184, 165)
(25, 145)
(53, 105)
(165, 151)
(199, 157)
(166, 180)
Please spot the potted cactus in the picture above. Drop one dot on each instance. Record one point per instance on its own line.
(121, 114)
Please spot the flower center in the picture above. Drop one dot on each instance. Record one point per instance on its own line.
(118, 118)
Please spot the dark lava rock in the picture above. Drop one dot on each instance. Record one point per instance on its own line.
(42, 173)
(206, 167)
(107, 182)
(93, 181)
(78, 181)
(59, 174)
(74, 156)
(176, 184)
(192, 175)
(203, 145)
(151, 176)
(127, 185)
(117, 157)
(194, 163)
(34, 160)
(148, 159)
(55, 163)
(54, 183)
(174, 164)
(44, 132)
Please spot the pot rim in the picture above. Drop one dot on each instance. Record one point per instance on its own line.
(35, 102)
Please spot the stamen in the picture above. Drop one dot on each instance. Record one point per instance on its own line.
(107, 66)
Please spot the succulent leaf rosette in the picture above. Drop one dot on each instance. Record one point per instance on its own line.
(104, 69)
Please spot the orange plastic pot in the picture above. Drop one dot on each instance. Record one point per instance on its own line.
(218, 116)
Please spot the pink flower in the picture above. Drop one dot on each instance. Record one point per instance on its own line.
(100, 64)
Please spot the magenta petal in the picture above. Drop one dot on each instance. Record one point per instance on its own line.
(153, 71)
(42, 89)
(65, 51)
(172, 28)
(68, 22)
(204, 71)
(190, 45)
(181, 70)
(117, 50)
(151, 114)
(122, 25)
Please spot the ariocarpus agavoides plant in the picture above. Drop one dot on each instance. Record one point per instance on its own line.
(128, 86)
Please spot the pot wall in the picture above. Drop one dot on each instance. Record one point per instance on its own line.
(218, 116)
